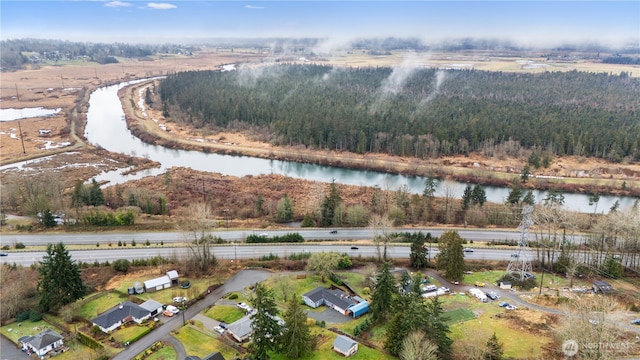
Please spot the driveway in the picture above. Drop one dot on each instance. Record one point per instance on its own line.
(9, 350)
(238, 282)
(329, 316)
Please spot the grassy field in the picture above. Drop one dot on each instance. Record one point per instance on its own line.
(226, 313)
(458, 315)
(197, 342)
(127, 333)
(166, 353)
(491, 278)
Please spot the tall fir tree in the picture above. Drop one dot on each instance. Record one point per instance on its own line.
(266, 329)
(451, 256)
(494, 349)
(418, 256)
(436, 327)
(296, 341)
(60, 282)
(384, 294)
(330, 204)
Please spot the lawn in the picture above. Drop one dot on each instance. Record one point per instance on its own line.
(166, 296)
(100, 304)
(295, 285)
(356, 281)
(127, 333)
(166, 353)
(458, 315)
(200, 344)
(324, 350)
(550, 280)
(226, 313)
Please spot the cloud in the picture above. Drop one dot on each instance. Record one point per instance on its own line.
(161, 6)
(253, 7)
(116, 4)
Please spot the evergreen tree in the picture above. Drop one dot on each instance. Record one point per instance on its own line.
(494, 348)
(266, 330)
(307, 221)
(436, 328)
(60, 282)
(259, 206)
(296, 340)
(429, 188)
(467, 197)
(383, 295)
(284, 209)
(418, 254)
(526, 172)
(478, 195)
(451, 256)
(515, 194)
(48, 220)
(96, 198)
(529, 198)
(330, 204)
(80, 195)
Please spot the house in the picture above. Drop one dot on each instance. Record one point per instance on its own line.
(121, 314)
(504, 285)
(41, 343)
(152, 306)
(241, 330)
(163, 282)
(602, 287)
(214, 356)
(345, 346)
(336, 299)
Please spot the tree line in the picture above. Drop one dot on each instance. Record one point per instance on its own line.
(414, 112)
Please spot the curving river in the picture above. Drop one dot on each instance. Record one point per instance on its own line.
(107, 128)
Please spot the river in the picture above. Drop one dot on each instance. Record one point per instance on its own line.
(107, 128)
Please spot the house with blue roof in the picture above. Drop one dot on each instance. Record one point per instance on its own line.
(337, 300)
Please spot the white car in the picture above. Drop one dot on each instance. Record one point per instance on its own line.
(173, 309)
(510, 307)
(219, 329)
(242, 306)
(179, 299)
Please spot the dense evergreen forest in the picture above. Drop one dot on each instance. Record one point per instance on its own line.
(415, 111)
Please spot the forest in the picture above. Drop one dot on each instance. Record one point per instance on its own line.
(415, 111)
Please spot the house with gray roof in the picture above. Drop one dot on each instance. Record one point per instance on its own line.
(121, 314)
(41, 343)
(337, 300)
(241, 330)
(345, 345)
(152, 306)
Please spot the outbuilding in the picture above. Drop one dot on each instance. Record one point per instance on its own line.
(603, 287)
(152, 306)
(163, 282)
(345, 345)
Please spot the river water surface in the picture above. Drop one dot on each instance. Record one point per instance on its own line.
(107, 128)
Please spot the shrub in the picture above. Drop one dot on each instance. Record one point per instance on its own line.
(35, 316)
(20, 246)
(233, 296)
(23, 316)
(121, 265)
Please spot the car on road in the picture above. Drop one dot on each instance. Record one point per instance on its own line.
(354, 248)
(479, 284)
(4, 254)
(503, 304)
(514, 255)
(264, 235)
(635, 322)
(456, 282)
(510, 307)
(468, 250)
(219, 329)
(334, 231)
(492, 295)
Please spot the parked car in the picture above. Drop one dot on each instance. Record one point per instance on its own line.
(510, 307)
(635, 322)
(242, 306)
(167, 313)
(456, 282)
(479, 284)
(503, 304)
(179, 299)
(219, 329)
(173, 309)
(468, 250)
(492, 295)
(334, 231)
(223, 325)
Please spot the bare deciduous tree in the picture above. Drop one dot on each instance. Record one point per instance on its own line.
(417, 346)
(195, 223)
(381, 226)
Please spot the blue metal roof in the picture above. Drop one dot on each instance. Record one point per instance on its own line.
(359, 308)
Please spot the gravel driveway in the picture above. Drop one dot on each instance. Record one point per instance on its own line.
(329, 316)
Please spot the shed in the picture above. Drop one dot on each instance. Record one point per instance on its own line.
(164, 282)
(240, 330)
(504, 285)
(358, 309)
(602, 287)
(345, 346)
(152, 306)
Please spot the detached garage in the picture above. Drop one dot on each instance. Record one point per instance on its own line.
(163, 282)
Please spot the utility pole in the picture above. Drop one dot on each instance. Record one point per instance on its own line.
(17, 95)
(21, 138)
(62, 80)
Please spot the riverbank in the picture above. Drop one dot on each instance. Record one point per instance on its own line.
(565, 174)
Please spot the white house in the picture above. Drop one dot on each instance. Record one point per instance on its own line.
(41, 343)
(345, 346)
(163, 282)
(121, 314)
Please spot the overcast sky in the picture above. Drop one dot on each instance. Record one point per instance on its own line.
(524, 22)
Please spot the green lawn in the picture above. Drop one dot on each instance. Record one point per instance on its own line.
(356, 281)
(200, 344)
(166, 353)
(127, 333)
(296, 286)
(325, 351)
(226, 313)
(491, 278)
(458, 315)
(100, 304)
(166, 296)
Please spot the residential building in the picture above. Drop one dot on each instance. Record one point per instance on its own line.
(42, 343)
(121, 314)
(345, 345)
(337, 300)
